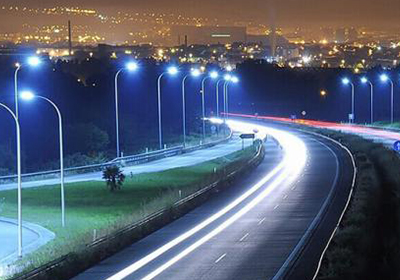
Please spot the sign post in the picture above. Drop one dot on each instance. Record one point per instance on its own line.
(246, 136)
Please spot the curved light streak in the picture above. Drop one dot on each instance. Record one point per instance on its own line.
(295, 157)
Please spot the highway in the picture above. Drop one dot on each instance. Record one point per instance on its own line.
(187, 159)
(273, 222)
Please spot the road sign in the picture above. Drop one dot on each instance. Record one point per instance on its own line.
(248, 136)
(396, 146)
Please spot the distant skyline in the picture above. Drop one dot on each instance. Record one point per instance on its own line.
(288, 13)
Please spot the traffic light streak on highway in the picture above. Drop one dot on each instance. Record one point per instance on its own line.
(351, 128)
(287, 171)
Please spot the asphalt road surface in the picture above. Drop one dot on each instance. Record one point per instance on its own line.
(272, 223)
(182, 160)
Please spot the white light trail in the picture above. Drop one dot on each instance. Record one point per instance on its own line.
(290, 167)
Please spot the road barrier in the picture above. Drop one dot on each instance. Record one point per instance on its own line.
(122, 161)
(69, 265)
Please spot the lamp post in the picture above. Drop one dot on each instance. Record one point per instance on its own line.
(217, 96)
(385, 78)
(131, 66)
(213, 75)
(32, 61)
(171, 71)
(346, 81)
(234, 80)
(227, 79)
(193, 73)
(28, 96)
(365, 80)
(19, 177)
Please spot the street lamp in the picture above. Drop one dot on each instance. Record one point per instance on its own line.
(212, 75)
(384, 79)
(193, 73)
(365, 80)
(29, 96)
(19, 177)
(131, 67)
(172, 70)
(232, 79)
(346, 81)
(32, 61)
(227, 78)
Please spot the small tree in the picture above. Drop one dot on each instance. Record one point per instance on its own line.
(114, 177)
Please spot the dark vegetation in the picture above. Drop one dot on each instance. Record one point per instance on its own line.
(84, 90)
(367, 245)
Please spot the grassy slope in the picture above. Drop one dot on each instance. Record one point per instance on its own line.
(367, 244)
(92, 206)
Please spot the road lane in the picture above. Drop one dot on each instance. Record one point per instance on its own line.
(183, 160)
(253, 246)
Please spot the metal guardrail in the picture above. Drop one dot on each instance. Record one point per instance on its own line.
(123, 161)
(259, 155)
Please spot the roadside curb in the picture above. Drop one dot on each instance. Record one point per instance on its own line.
(44, 236)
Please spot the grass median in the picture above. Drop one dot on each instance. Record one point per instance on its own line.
(92, 211)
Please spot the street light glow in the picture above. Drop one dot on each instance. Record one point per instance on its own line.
(132, 66)
(196, 72)
(172, 70)
(34, 61)
(227, 77)
(364, 80)
(384, 78)
(214, 74)
(235, 79)
(345, 81)
(27, 95)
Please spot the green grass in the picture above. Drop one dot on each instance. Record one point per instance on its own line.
(367, 244)
(91, 206)
(387, 124)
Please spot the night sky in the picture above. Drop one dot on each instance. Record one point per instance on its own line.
(371, 13)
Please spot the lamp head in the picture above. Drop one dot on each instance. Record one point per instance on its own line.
(227, 77)
(214, 74)
(27, 95)
(172, 70)
(195, 72)
(132, 66)
(384, 78)
(364, 80)
(235, 79)
(345, 81)
(33, 61)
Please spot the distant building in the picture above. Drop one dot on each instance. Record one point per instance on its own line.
(210, 34)
(340, 35)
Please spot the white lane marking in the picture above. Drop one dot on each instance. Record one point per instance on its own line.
(276, 206)
(313, 224)
(293, 188)
(244, 237)
(288, 170)
(285, 196)
(220, 258)
(261, 221)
